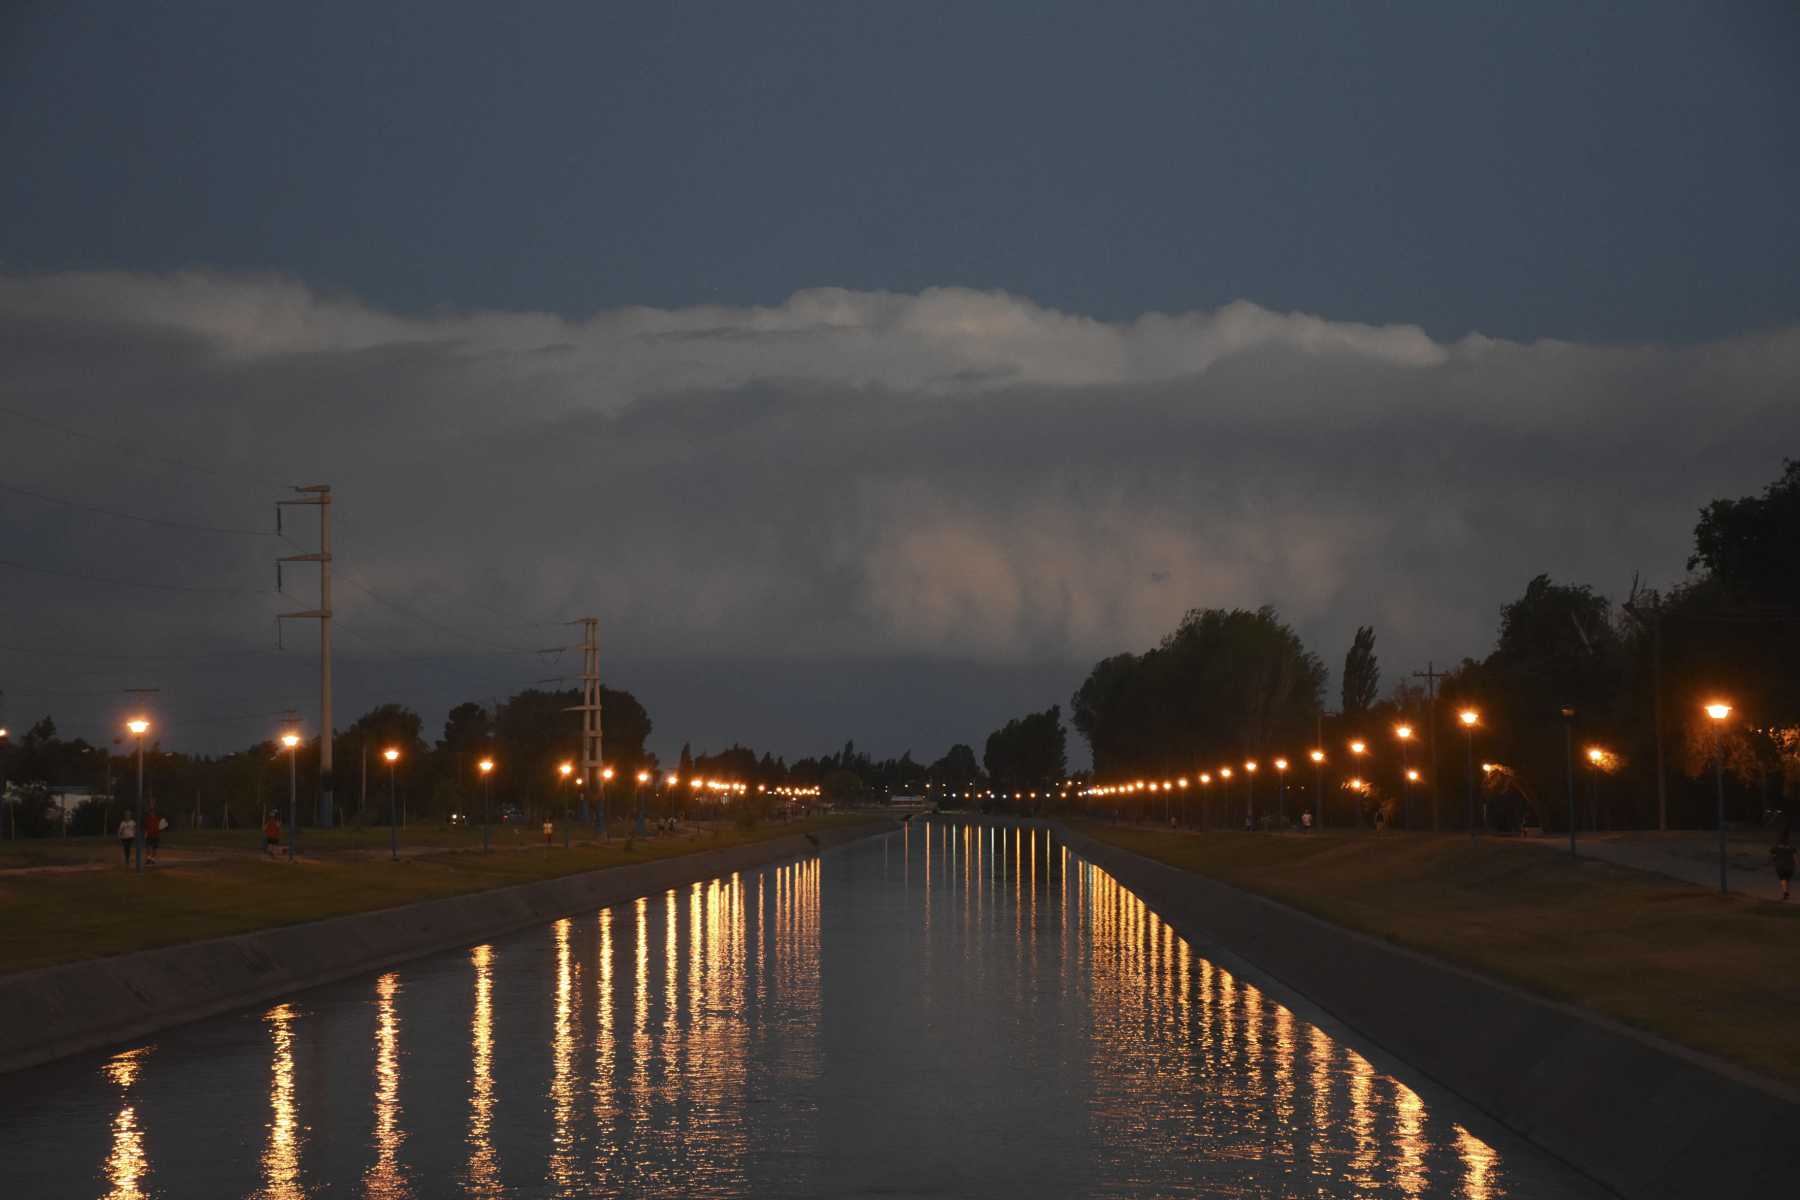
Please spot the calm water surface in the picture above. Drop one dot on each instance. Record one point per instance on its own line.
(950, 1010)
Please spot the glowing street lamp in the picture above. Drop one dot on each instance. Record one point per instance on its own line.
(292, 742)
(1250, 794)
(393, 758)
(486, 767)
(1318, 761)
(1718, 711)
(566, 770)
(606, 774)
(643, 777)
(139, 727)
(1358, 748)
(1403, 733)
(1470, 718)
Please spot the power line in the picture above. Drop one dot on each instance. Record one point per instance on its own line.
(134, 583)
(136, 452)
(416, 615)
(131, 449)
(125, 516)
(114, 657)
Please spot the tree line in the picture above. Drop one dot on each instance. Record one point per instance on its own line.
(1616, 689)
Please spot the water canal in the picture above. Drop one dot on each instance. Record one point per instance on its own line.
(952, 1009)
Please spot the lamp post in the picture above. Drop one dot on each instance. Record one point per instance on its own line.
(1718, 710)
(566, 770)
(139, 727)
(292, 742)
(1281, 766)
(393, 757)
(1597, 760)
(1568, 715)
(1358, 748)
(643, 777)
(1225, 794)
(606, 774)
(1318, 758)
(671, 793)
(15, 819)
(1403, 734)
(486, 767)
(1470, 718)
(1205, 795)
(1250, 793)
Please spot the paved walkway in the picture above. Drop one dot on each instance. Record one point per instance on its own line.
(1690, 857)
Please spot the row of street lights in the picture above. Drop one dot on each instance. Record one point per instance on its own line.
(1470, 718)
(1601, 759)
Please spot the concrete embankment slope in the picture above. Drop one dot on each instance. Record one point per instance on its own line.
(1642, 1116)
(74, 1007)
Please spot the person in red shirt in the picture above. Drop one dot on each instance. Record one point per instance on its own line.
(271, 834)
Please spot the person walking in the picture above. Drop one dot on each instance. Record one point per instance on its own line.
(154, 824)
(271, 834)
(127, 835)
(1782, 853)
(549, 831)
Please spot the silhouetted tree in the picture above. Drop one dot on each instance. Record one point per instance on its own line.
(1362, 674)
(1029, 752)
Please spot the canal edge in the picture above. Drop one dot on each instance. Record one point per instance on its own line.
(1640, 1116)
(75, 1008)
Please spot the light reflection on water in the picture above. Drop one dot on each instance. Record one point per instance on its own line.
(853, 1023)
(385, 1179)
(481, 1174)
(126, 1164)
(281, 1160)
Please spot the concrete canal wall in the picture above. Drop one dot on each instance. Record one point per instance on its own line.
(75, 1007)
(1642, 1116)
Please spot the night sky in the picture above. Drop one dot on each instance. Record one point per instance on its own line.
(869, 370)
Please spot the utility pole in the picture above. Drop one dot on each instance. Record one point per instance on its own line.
(589, 708)
(1431, 675)
(1662, 777)
(318, 496)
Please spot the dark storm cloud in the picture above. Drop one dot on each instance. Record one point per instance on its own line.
(902, 493)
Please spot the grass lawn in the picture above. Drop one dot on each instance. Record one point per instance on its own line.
(1720, 974)
(53, 917)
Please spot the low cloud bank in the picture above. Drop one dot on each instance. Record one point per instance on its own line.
(866, 479)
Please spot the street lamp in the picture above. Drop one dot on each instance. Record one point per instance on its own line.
(643, 777)
(486, 767)
(566, 770)
(393, 756)
(1403, 733)
(1250, 794)
(1318, 759)
(1358, 748)
(1470, 718)
(139, 727)
(1718, 710)
(606, 774)
(1281, 766)
(292, 742)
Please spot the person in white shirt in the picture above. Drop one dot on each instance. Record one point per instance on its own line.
(127, 836)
